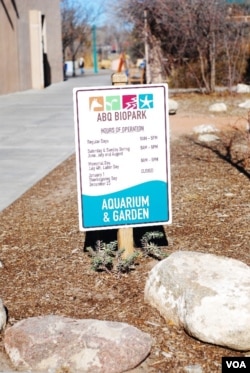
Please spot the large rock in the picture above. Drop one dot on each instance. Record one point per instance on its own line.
(207, 295)
(3, 315)
(54, 343)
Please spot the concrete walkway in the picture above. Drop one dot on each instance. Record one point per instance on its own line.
(37, 133)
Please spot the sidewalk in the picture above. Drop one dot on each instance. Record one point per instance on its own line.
(37, 132)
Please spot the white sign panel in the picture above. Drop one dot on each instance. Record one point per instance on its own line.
(122, 151)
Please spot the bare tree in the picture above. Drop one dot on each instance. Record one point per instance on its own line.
(77, 19)
(192, 33)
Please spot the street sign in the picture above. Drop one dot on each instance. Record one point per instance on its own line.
(122, 153)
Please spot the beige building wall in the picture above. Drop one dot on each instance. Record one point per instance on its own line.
(8, 48)
(30, 44)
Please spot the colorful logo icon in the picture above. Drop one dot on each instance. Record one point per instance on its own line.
(113, 103)
(124, 102)
(129, 102)
(146, 101)
(96, 103)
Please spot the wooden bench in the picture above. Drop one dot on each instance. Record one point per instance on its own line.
(119, 79)
(136, 75)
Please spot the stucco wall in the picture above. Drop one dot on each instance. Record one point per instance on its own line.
(15, 43)
(8, 47)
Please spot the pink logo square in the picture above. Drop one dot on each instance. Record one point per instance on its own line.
(129, 102)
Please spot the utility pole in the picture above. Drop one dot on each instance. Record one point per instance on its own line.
(94, 49)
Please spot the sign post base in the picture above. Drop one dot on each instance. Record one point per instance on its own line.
(125, 241)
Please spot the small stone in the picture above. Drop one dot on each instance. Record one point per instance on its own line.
(229, 195)
(172, 106)
(205, 128)
(193, 369)
(219, 107)
(243, 88)
(208, 138)
(245, 105)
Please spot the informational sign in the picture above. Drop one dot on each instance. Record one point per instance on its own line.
(122, 152)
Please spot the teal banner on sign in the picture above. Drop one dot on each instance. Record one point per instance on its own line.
(136, 205)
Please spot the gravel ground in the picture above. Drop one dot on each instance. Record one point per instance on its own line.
(46, 269)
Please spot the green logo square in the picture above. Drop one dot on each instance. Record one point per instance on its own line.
(113, 103)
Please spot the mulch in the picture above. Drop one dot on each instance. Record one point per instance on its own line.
(48, 271)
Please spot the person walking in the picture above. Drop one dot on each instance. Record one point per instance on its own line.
(81, 65)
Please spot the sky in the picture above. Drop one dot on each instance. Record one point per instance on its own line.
(106, 8)
(98, 5)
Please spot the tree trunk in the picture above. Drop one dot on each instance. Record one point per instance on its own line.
(212, 67)
(202, 67)
(156, 65)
